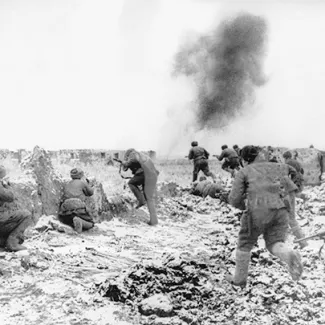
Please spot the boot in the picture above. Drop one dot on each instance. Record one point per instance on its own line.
(16, 237)
(290, 257)
(77, 225)
(241, 270)
(138, 194)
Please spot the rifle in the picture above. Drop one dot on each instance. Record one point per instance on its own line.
(120, 169)
(320, 234)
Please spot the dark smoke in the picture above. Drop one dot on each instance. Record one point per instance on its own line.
(227, 66)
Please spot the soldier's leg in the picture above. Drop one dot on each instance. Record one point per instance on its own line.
(205, 169)
(196, 170)
(134, 184)
(246, 240)
(275, 236)
(79, 224)
(293, 223)
(150, 193)
(23, 219)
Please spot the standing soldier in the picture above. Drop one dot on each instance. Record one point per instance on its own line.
(259, 187)
(150, 174)
(200, 158)
(231, 159)
(294, 225)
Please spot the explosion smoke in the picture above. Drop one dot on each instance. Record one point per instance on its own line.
(226, 66)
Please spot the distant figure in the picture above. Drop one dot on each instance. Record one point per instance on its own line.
(150, 175)
(200, 158)
(73, 210)
(259, 188)
(206, 188)
(237, 149)
(231, 159)
(13, 222)
(311, 146)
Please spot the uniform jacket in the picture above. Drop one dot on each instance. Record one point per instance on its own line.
(196, 153)
(228, 153)
(265, 186)
(78, 189)
(134, 165)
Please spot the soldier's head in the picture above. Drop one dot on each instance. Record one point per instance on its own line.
(194, 144)
(3, 172)
(235, 146)
(287, 155)
(224, 147)
(202, 178)
(76, 173)
(249, 153)
(128, 152)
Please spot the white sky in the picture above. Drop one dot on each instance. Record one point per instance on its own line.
(96, 74)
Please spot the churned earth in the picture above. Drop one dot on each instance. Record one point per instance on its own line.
(126, 272)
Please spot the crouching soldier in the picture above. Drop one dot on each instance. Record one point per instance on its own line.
(206, 188)
(261, 184)
(73, 210)
(231, 159)
(13, 221)
(200, 158)
(147, 177)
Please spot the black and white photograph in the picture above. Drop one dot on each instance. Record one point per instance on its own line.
(161, 162)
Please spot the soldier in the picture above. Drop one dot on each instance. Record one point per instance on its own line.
(136, 181)
(294, 225)
(13, 221)
(231, 159)
(73, 210)
(262, 186)
(200, 158)
(150, 175)
(206, 188)
(237, 149)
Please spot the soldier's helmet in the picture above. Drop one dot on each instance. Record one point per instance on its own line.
(194, 144)
(287, 155)
(235, 146)
(224, 147)
(128, 152)
(249, 153)
(76, 173)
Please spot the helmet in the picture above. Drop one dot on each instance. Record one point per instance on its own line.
(287, 155)
(224, 147)
(249, 153)
(194, 144)
(76, 173)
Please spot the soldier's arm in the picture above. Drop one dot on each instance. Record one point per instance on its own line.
(207, 154)
(190, 155)
(221, 156)
(238, 191)
(88, 191)
(6, 195)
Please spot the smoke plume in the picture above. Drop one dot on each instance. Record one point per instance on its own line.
(226, 66)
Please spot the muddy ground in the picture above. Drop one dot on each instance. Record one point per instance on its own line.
(103, 276)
